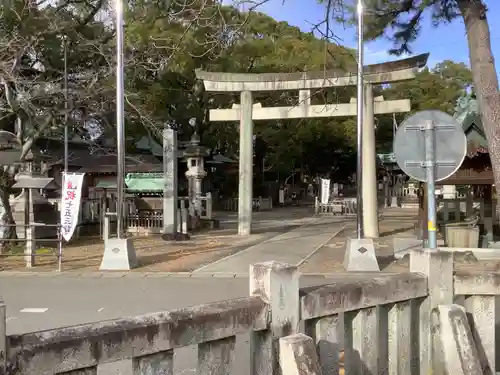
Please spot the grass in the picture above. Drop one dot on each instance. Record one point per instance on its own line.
(18, 249)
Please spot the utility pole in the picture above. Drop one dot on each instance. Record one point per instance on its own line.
(66, 104)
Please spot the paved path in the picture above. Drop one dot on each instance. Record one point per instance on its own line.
(293, 247)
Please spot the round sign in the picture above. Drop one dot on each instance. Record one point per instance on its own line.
(10, 148)
(450, 144)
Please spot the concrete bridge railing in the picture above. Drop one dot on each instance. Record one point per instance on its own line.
(363, 323)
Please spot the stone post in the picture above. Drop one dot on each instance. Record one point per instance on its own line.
(489, 211)
(278, 285)
(387, 194)
(30, 232)
(245, 166)
(29, 251)
(106, 227)
(469, 203)
(209, 206)
(170, 181)
(438, 267)
(369, 163)
(298, 356)
(458, 353)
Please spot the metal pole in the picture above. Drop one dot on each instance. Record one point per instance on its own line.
(360, 109)
(430, 162)
(66, 105)
(120, 116)
(59, 248)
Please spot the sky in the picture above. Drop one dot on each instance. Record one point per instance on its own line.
(446, 42)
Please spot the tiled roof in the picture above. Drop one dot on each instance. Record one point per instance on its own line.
(133, 163)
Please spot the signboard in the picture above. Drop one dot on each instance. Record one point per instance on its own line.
(147, 182)
(70, 203)
(10, 148)
(325, 191)
(449, 148)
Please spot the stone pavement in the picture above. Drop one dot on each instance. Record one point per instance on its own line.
(292, 235)
(329, 258)
(292, 247)
(155, 255)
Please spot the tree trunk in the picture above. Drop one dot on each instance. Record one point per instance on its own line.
(484, 76)
(7, 228)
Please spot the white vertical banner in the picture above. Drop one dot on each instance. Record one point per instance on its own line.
(70, 203)
(325, 190)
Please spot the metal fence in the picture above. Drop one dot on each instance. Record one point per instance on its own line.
(30, 243)
(341, 206)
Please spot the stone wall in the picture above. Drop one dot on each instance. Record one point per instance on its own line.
(362, 323)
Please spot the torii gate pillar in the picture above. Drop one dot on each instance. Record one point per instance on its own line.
(369, 168)
(246, 113)
(245, 188)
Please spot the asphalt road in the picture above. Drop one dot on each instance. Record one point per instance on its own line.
(43, 302)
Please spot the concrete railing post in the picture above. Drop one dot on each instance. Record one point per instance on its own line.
(457, 352)
(480, 292)
(3, 337)
(481, 313)
(438, 267)
(278, 285)
(298, 356)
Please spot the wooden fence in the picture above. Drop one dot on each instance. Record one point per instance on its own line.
(381, 322)
(453, 209)
(138, 221)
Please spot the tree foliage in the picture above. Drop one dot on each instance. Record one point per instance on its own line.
(401, 22)
(257, 44)
(436, 88)
(165, 41)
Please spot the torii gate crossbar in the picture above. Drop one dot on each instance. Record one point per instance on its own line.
(388, 72)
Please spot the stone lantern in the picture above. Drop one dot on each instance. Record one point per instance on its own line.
(194, 154)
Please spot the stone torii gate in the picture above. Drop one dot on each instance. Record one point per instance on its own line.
(247, 112)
